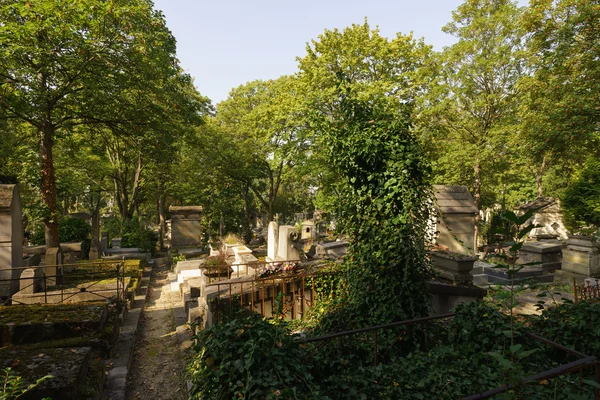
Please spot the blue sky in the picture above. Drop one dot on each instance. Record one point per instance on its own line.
(226, 43)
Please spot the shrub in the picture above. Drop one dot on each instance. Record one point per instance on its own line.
(69, 230)
(135, 234)
(249, 358)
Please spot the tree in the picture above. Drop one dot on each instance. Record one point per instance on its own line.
(257, 137)
(65, 63)
(559, 110)
(359, 59)
(384, 207)
(470, 115)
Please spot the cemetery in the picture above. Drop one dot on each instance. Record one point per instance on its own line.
(391, 220)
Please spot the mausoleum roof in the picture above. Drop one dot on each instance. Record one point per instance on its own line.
(539, 203)
(454, 200)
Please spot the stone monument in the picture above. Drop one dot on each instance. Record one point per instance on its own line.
(456, 218)
(11, 238)
(186, 228)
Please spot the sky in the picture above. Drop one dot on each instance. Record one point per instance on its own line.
(223, 44)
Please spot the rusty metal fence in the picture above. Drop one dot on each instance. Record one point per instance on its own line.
(287, 296)
(587, 291)
(70, 281)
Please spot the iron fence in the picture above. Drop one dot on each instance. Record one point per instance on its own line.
(69, 281)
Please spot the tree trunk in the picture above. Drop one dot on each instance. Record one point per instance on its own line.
(95, 209)
(538, 181)
(477, 200)
(162, 215)
(49, 183)
(539, 178)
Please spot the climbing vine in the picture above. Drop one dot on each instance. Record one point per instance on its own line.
(384, 207)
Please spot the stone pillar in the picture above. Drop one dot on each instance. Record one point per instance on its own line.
(11, 239)
(272, 241)
(53, 266)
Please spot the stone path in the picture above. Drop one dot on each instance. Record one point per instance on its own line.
(157, 370)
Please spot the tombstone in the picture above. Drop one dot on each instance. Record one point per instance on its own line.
(104, 242)
(186, 229)
(32, 281)
(11, 238)
(272, 241)
(288, 235)
(308, 230)
(456, 218)
(53, 268)
(548, 218)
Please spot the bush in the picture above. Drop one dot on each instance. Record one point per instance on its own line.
(135, 234)
(249, 358)
(69, 230)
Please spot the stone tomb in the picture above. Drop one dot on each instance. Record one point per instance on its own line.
(548, 255)
(456, 218)
(581, 256)
(11, 239)
(186, 229)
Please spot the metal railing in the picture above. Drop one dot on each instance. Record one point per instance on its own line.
(586, 291)
(288, 295)
(63, 286)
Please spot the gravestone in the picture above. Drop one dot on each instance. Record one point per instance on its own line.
(104, 242)
(11, 239)
(32, 281)
(455, 224)
(272, 241)
(53, 264)
(186, 228)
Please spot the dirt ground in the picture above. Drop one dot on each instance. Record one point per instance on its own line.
(157, 370)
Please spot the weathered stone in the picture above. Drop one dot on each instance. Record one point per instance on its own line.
(11, 238)
(308, 230)
(186, 228)
(32, 281)
(272, 241)
(53, 265)
(285, 249)
(456, 223)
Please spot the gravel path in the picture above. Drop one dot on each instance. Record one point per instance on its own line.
(157, 370)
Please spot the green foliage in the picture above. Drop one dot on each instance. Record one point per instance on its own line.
(69, 230)
(134, 233)
(383, 208)
(12, 386)
(573, 325)
(581, 199)
(249, 358)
